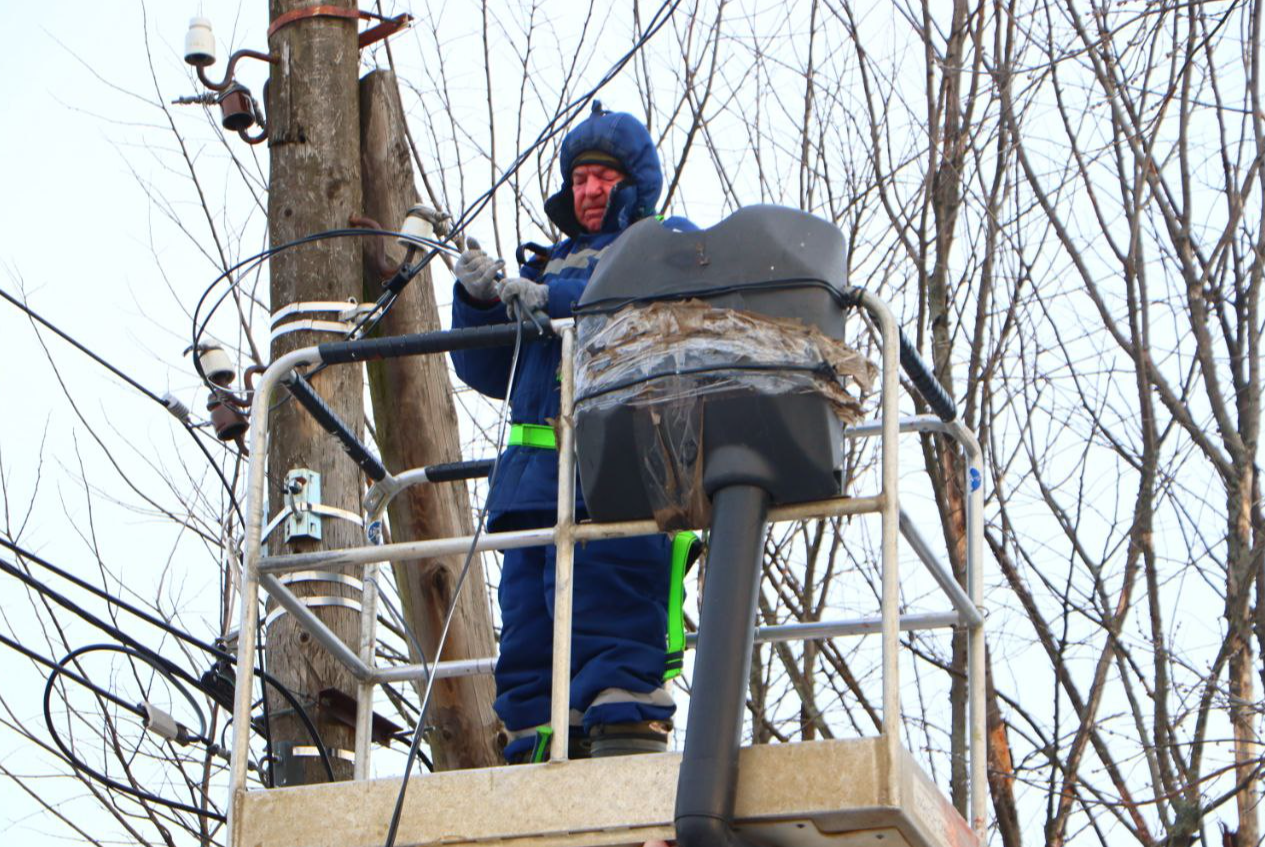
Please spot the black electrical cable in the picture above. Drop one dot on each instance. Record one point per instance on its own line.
(79, 765)
(414, 750)
(193, 433)
(123, 638)
(82, 680)
(142, 389)
(560, 120)
(247, 266)
(265, 677)
(100, 361)
(59, 669)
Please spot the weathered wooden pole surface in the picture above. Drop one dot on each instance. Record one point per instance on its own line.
(416, 424)
(314, 185)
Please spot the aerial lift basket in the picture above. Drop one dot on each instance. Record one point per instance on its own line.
(704, 383)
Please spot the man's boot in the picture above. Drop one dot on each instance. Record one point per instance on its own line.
(577, 747)
(629, 739)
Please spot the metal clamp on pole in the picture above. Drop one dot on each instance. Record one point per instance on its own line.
(288, 768)
(346, 313)
(314, 508)
(315, 603)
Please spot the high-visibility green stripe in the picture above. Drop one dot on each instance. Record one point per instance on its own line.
(681, 545)
(539, 752)
(533, 435)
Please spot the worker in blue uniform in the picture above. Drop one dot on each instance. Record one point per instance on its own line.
(611, 178)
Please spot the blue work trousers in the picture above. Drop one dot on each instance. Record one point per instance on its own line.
(618, 642)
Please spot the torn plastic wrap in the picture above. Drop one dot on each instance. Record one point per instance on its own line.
(670, 362)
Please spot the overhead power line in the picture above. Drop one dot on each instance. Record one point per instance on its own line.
(561, 119)
(31, 313)
(123, 638)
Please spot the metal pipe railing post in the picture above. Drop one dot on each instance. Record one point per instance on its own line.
(976, 666)
(890, 421)
(365, 688)
(248, 620)
(560, 698)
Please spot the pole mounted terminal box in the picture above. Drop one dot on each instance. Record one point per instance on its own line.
(713, 358)
(302, 491)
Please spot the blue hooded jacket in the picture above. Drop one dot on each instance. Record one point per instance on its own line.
(526, 487)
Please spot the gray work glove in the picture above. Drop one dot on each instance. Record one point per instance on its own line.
(476, 271)
(522, 296)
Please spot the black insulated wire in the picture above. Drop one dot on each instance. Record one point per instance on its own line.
(250, 263)
(58, 669)
(266, 678)
(142, 389)
(86, 769)
(324, 414)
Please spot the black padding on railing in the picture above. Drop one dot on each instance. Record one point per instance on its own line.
(454, 471)
(329, 420)
(443, 341)
(920, 375)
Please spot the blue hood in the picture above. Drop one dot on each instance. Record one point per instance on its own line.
(627, 139)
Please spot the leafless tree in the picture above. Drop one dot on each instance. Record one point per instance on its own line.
(1062, 199)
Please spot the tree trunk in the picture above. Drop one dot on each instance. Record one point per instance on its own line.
(1001, 769)
(314, 186)
(1241, 671)
(416, 422)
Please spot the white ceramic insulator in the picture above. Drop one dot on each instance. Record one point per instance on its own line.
(417, 227)
(173, 404)
(217, 366)
(199, 43)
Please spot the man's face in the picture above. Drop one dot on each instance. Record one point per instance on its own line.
(591, 185)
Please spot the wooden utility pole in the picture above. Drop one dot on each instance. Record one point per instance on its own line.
(314, 146)
(416, 425)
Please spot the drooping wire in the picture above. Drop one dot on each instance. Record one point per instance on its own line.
(393, 830)
(31, 313)
(57, 668)
(124, 638)
(247, 266)
(561, 119)
(83, 767)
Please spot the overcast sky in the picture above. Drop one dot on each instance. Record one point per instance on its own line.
(95, 254)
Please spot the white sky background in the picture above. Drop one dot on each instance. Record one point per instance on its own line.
(96, 258)
(91, 181)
